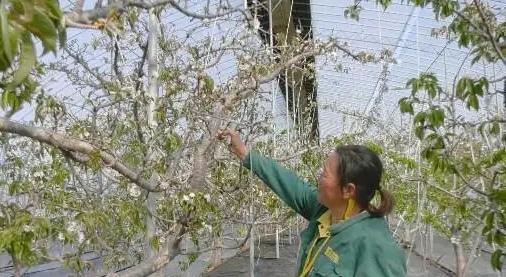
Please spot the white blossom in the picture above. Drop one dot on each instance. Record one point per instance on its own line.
(207, 226)
(38, 174)
(27, 228)
(80, 237)
(164, 185)
(256, 24)
(207, 197)
(72, 227)
(455, 240)
(192, 195)
(134, 191)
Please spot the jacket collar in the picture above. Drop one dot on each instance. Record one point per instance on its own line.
(325, 220)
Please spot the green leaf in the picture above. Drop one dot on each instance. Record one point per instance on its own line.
(469, 84)
(4, 63)
(498, 196)
(155, 243)
(414, 84)
(4, 26)
(464, 39)
(420, 118)
(62, 34)
(484, 83)
(437, 117)
(473, 102)
(499, 238)
(461, 88)
(477, 89)
(384, 3)
(353, 12)
(27, 60)
(406, 106)
(432, 90)
(489, 219)
(8, 99)
(496, 260)
(476, 58)
(54, 10)
(15, 188)
(42, 26)
(494, 129)
(419, 132)
(209, 83)
(420, 3)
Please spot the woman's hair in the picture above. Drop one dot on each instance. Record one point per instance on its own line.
(362, 167)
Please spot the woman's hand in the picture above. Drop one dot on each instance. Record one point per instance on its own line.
(237, 146)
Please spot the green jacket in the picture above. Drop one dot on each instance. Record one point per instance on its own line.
(363, 244)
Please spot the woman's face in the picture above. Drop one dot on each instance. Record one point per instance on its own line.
(330, 193)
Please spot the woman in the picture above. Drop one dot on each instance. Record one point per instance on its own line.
(346, 235)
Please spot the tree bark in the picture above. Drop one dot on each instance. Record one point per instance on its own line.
(154, 32)
(152, 265)
(459, 256)
(17, 266)
(62, 142)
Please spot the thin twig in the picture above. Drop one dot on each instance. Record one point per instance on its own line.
(489, 32)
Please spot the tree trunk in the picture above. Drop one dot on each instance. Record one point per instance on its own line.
(152, 95)
(17, 266)
(217, 252)
(459, 255)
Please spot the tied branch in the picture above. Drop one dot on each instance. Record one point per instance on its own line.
(96, 18)
(81, 151)
(244, 89)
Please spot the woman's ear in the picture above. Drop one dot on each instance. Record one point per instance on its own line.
(349, 191)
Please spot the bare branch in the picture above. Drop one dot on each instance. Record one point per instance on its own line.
(78, 7)
(243, 91)
(90, 18)
(206, 16)
(84, 64)
(116, 58)
(498, 79)
(65, 143)
(479, 191)
(489, 32)
(166, 254)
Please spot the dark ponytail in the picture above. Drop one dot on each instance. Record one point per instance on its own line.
(386, 204)
(359, 165)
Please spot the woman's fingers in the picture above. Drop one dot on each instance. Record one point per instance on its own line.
(223, 134)
(236, 145)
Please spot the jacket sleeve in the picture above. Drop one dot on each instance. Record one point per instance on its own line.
(297, 194)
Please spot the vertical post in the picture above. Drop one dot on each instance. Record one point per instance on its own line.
(273, 88)
(288, 127)
(154, 30)
(252, 244)
(431, 241)
(504, 94)
(152, 94)
(277, 241)
(290, 235)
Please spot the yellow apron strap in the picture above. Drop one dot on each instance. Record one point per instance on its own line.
(308, 265)
(310, 259)
(350, 206)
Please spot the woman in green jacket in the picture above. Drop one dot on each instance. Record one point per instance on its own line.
(346, 236)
